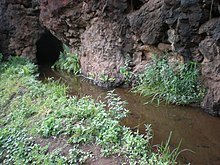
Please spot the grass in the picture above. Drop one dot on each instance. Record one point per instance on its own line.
(172, 82)
(68, 62)
(30, 109)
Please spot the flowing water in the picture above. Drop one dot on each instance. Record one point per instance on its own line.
(197, 130)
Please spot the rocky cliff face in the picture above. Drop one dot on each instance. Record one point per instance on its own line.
(20, 28)
(210, 49)
(109, 34)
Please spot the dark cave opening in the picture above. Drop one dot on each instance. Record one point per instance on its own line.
(48, 49)
(134, 5)
(137, 4)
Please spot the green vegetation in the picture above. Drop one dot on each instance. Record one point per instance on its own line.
(105, 78)
(172, 82)
(30, 110)
(68, 61)
(126, 73)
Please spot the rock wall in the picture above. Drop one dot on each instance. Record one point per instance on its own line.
(210, 49)
(109, 34)
(98, 31)
(20, 28)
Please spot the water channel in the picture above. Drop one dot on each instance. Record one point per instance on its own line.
(198, 131)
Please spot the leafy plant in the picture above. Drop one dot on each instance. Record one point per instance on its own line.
(68, 61)
(77, 156)
(116, 106)
(137, 147)
(51, 126)
(126, 73)
(106, 78)
(175, 82)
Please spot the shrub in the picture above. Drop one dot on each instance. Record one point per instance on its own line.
(68, 61)
(174, 82)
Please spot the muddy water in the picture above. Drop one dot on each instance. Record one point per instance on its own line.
(198, 131)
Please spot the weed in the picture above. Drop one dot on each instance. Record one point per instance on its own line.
(68, 61)
(116, 106)
(77, 156)
(175, 83)
(126, 72)
(163, 153)
(51, 126)
(106, 78)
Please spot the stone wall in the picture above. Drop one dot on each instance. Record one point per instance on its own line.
(109, 33)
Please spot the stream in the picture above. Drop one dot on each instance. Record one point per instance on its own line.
(197, 130)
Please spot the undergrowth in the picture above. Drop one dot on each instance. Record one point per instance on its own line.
(68, 61)
(30, 109)
(172, 82)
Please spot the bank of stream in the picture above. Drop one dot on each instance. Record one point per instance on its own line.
(197, 130)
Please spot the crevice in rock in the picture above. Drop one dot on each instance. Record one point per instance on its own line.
(143, 57)
(134, 4)
(218, 42)
(48, 49)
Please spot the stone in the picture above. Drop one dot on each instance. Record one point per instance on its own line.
(147, 22)
(164, 47)
(210, 49)
(211, 28)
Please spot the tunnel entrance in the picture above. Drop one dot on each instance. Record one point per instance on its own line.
(48, 49)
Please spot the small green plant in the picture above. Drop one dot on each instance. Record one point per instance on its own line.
(91, 76)
(126, 73)
(68, 61)
(175, 82)
(116, 106)
(125, 70)
(106, 78)
(51, 126)
(77, 156)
